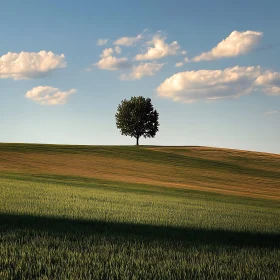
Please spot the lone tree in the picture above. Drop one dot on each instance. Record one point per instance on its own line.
(136, 117)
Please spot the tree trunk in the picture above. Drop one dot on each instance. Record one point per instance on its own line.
(137, 140)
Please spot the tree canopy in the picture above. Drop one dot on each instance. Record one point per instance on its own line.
(136, 117)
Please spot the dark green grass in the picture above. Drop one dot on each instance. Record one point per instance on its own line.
(52, 248)
(61, 227)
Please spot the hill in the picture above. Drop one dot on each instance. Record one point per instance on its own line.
(224, 171)
(105, 212)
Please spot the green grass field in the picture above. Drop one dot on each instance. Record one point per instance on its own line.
(97, 212)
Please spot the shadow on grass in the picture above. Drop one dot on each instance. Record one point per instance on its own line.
(130, 231)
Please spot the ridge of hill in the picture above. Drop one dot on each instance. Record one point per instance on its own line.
(225, 171)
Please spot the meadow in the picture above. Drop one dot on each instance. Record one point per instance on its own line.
(105, 212)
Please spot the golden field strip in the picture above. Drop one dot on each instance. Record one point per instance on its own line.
(225, 171)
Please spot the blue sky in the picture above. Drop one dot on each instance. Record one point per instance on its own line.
(228, 97)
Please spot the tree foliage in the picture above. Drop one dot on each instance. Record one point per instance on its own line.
(136, 117)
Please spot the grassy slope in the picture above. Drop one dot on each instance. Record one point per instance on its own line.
(122, 212)
(218, 170)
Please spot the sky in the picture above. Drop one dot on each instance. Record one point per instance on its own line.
(211, 69)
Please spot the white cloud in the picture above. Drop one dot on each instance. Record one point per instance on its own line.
(47, 95)
(143, 69)
(113, 63)
(269, 78)
(118, 50)
(28, 65)
(237, 43)
(128, 41)
(272, 90)
(270, 82)
(159, 49)
(109, 62)
(102, 42)
(107, 52)
(190, 86)
(179, 64)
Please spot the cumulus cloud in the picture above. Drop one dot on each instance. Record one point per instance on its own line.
(110, 62)
(102, 42)
(190, 86)
(179, 64)
(118, 50)
(128, 41)
(272, 90)
(28, 65)
(107, 52)
(269, 82)
(269, 78)
(47, 95)
(159, 49)
(237, 43)
(141, 70)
